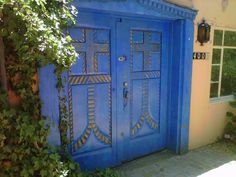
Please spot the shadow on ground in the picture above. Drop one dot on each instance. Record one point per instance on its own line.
(210, 161)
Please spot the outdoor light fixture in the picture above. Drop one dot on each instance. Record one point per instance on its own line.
(203, 34)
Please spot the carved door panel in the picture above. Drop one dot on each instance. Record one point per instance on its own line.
(143, 79)
(90, 93)
(117, 89)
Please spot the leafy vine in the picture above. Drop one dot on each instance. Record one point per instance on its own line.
(33, 37)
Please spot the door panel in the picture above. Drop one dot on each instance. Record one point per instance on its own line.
(89, 87)
(143, 43)
(90, 93)
(144, 120)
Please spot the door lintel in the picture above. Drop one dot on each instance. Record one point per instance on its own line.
(155, 8)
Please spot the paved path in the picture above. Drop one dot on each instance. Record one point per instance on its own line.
(217, 160)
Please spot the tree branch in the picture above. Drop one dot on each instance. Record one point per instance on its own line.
(2, 66)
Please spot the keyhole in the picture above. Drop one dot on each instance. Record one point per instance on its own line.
(122, 134)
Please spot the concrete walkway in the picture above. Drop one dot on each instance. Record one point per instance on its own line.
(217, 160)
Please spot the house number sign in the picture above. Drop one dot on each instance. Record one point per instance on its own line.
(200, 55)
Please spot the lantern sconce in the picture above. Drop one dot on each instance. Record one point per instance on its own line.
(203, 34)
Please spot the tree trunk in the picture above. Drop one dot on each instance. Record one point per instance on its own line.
(2, 66)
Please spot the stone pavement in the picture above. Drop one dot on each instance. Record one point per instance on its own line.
(216, 160)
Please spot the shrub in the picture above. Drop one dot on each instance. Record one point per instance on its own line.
(33, 35)
(230, 129)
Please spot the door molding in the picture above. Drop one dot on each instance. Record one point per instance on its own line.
(180, 78)
(154, 8)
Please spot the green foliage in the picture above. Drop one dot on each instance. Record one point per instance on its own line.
(230, 129)
(233, 104)
(24, 150)
(229, 72)
(34, 28)
(33, 37)
(102, 173)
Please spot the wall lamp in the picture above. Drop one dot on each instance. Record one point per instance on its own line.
(203, 34)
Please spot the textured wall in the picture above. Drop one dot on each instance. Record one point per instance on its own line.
(207, 119)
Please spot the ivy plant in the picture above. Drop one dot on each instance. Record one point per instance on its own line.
(230, 129)
(102, 173)
(34, 35)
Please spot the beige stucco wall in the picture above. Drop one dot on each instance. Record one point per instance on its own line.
(207, 119)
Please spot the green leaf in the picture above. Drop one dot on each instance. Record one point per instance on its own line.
(33, 36)
(229, 114)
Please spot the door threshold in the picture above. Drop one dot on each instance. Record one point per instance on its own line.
(146, 159)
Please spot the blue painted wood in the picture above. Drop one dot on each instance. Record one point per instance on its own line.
(49, 97)
(151, 8)
(180, 81)
(90, 94)
(142, 123)
(186, 79)
(122, 110)
(174, 75)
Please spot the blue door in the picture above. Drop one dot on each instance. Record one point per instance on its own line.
(117, 89)
(142, 49)
(92, 117)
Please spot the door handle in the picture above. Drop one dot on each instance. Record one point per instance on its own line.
(125, 94)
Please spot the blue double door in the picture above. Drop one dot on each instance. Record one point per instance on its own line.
(117, 89)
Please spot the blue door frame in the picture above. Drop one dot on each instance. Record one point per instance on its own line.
(178, 74)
